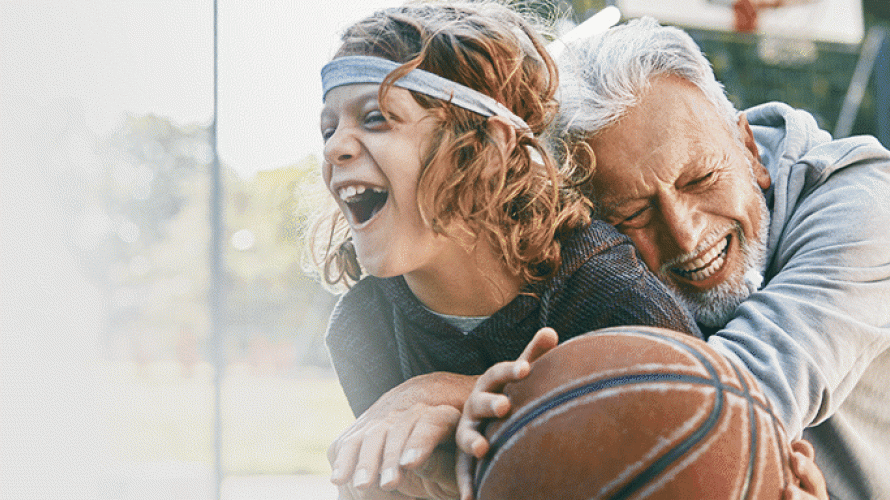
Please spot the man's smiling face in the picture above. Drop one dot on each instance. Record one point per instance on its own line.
(686, 188)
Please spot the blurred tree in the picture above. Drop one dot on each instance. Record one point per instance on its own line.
(582, 9)
(137, 218)
(139, 223)
(270, 294)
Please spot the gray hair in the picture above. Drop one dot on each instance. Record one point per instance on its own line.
(603, 76)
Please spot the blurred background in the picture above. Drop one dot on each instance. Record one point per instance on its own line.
(129, 367)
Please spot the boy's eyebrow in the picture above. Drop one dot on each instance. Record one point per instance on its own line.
(353, 103)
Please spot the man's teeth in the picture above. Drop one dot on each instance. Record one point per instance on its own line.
(706, 265)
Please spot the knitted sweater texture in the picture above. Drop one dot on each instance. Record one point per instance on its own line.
(380, 335)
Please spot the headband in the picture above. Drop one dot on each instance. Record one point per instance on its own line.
(352, 70)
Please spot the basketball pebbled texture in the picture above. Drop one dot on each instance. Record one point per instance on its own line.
(633, 413)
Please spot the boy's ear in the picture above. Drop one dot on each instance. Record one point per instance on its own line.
(804, 447)
(503, 133)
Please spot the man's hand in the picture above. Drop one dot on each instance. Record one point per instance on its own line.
(399, 433)
(487, 401)
(433, 479)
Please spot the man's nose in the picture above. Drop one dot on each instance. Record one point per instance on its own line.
(684, 222)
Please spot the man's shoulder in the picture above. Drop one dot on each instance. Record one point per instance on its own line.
(833, 204)
(808, 167)
(858, 163)
(791, 144)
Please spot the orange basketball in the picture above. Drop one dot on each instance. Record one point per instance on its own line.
(634, 412)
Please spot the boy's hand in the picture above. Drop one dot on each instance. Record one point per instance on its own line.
(803, 467)
(486, 401)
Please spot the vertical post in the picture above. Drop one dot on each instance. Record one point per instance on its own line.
(216, 294)
(882, 91)
(868, 56)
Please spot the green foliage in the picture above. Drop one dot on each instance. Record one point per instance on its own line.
(270, 291)
(582, 9)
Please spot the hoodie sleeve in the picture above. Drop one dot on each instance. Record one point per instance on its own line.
(822, 320)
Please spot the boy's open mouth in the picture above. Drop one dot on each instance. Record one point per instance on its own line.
(363, 202)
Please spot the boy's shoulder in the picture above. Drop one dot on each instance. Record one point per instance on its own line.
(588, 245)
(356, 305)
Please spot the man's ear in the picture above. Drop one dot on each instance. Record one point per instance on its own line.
(761, 174)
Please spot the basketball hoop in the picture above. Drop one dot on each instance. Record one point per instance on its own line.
(830, 21)
(745, 11)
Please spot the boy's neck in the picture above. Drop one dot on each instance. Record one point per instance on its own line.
(478, 284)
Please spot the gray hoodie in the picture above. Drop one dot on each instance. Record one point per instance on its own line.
(817, 333)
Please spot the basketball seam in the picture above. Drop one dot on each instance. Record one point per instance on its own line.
(699, 448)
(752, 416)
(562, 398)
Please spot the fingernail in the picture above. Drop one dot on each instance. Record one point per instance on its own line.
(387, 476)
(335, 475)
(478, 447)
(519, 369)
(409, 456)
(360, 478)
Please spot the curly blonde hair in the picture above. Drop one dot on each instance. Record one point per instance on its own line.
(522, 209)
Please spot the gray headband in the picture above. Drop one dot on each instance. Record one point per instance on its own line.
(352, 70)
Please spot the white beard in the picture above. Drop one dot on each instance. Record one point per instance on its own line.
(715, 307)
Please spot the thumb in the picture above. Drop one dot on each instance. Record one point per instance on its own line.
(543, 341)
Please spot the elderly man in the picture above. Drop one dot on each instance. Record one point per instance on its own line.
(773, 233)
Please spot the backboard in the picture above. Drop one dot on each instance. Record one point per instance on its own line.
(833, 21)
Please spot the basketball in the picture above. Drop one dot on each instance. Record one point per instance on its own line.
(634, 412)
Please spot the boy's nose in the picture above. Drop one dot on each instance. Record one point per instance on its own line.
(341, 147)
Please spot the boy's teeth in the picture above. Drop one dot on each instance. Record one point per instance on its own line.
(349, 192)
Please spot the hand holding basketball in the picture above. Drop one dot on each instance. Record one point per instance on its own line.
(487, 401)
